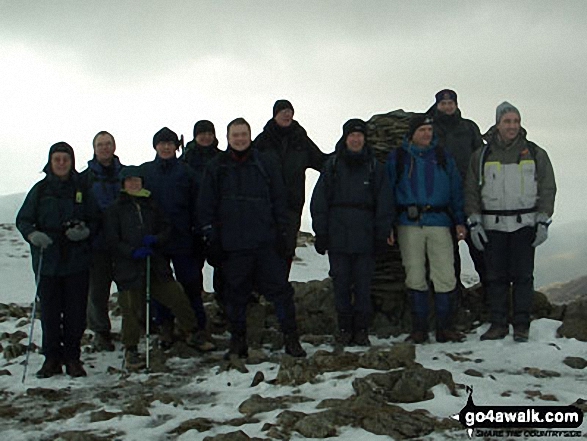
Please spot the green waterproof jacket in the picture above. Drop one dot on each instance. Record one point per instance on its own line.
(48, 207)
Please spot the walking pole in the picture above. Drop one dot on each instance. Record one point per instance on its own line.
(148, 315)
(33, 313)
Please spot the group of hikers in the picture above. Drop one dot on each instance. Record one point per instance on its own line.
(150, 228)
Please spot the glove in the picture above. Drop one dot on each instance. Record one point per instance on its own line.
(149, 240)
(321, 244)
(478, 236)
(281, 244)
(78, 232)
(39, 239)
(381, 246)
(142, 253)
(212, 246)
(542, 223)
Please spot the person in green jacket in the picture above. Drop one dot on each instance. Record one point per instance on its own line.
(58, 218)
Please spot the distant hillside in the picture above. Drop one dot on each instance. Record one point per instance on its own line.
(566, 292)
(9, 206)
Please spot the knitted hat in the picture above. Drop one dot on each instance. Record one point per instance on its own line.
(165, 135)
(64, 148)
(354, 125)
(204, 126)
(280, 105)
(446, 94)
(504, 108)
(131, 171)
(418, 120)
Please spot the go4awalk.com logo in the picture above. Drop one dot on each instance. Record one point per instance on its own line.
(527, 421)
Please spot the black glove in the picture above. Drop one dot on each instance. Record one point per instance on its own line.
(281, 244)
(212, 246)
(381, 246)
(321, 244)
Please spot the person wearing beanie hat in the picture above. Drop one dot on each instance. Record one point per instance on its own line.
(460, 137)
(174, 186)
(429, 197)
(137, 228)
(102, 178)
(58, 219)
(352, 215)
(287, 141)
(509, 197)
(242, 217)
(197, 154)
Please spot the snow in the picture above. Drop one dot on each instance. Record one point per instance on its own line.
(503, 364)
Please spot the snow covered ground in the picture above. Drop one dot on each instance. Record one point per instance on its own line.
(501, 373)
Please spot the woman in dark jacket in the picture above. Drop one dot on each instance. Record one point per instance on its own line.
(57, 218)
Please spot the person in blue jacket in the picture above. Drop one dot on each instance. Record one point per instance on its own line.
(58, 219)
(174, 187)
(429, 198)
(243, 218)
(102, 177)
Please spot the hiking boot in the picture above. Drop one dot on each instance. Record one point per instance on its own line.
(445, 335)
(132, 359)
(521, 333)
(293, 346)
(50, 367)
(237, 346)
(102, 342)
(74, 368)
(496, 332)
(201, 340)
(343, 338)
(417, 337)
(166, 334)
(361, 338)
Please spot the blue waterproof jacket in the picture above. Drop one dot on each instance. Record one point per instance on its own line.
(104, 183)
(174, 187)
(435, 188)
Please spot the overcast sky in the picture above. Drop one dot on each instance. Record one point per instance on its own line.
(69, 69)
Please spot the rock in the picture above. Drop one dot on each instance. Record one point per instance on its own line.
(48, 394)
(102, 415)
(575, 362)
(575, 321)
(296, 371)
(257, 379)
(316, 426)
(473, 373)
(199, 424)
(139, 406)
(541, 373)
(257, 404)
(5, 372)
(400, 355)
(232, 436)
(331, 362)
(14, 350)
(408, 385)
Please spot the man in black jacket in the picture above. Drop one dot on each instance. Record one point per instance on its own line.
(241, 209)
(460, 137)
(352, 214)
(288, 141)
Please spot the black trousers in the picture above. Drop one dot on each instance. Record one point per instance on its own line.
(351, 276)
(63, 314)
(509, 260)
(265, 270)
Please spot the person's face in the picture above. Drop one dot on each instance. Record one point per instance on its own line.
(447, 107)
(509, 126)
(423, 136)
(61, 164)
(284, 117)
(166, 149)
(133, 184)
(104, 149)
(205, 138)
(355, 141)
(239, 137)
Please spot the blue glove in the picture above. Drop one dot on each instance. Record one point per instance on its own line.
(149, 240)
(142, 253)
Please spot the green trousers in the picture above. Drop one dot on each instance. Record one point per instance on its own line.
(169, 294)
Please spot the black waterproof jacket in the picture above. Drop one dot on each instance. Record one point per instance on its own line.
(296, 152)
(48, 206)
(243, 200)
(352, 203)
(458, 136)
(128, 221)
(198, 157)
